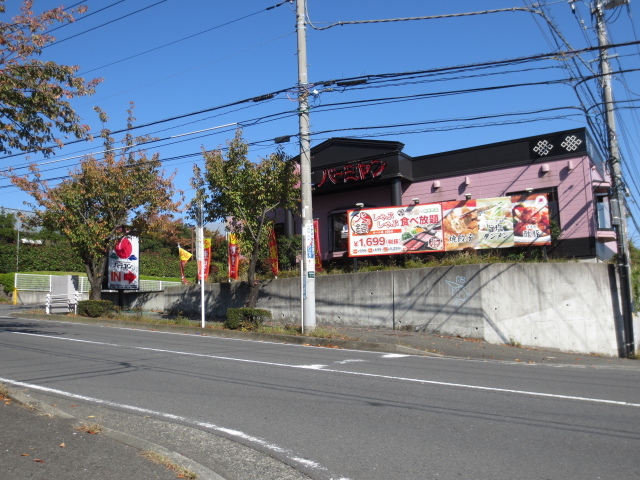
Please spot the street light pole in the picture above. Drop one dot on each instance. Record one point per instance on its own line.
(308, 286)
(617, 184)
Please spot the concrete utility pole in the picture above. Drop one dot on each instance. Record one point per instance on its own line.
(617, 184)
(308, 239)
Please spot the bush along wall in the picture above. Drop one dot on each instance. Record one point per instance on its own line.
(58, 257)
(247, 319)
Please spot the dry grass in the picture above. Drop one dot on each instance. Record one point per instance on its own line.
(92, 428)
(4, 391)
(181, 472)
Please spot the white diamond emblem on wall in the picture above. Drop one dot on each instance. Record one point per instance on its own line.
(571, 143)
(543, 148)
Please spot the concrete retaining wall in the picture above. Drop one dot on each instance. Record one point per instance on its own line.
(568, 306)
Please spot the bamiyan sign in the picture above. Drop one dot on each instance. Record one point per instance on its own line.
(124, 264)
(501, 222)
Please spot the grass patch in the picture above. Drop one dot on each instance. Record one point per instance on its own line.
(276, 329)
(181, 472)
(322, 332)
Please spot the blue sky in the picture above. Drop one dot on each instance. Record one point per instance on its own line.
(195, 55)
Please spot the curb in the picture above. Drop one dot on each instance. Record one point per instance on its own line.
(141, 444)
(348, 344)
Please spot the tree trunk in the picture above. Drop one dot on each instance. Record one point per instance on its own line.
(95, 274)
(254, 285)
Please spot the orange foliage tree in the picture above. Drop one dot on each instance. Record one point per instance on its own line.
(125, 187)
(35, 114)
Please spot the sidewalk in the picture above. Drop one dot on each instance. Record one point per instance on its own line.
(36, 446)
(426, 344)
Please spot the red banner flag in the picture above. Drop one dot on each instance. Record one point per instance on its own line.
(207, 259)
(273, 252)
(316, 234)
(234, 256)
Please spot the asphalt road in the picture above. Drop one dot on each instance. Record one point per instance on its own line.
(340, 414)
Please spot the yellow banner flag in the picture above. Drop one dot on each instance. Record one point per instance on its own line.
(184, 255)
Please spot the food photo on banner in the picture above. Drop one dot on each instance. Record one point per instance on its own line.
(484, 223)
(395, 230)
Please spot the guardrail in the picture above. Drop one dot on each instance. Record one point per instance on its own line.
(42, 283)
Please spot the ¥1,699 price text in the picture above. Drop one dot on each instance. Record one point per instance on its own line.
(372, 242)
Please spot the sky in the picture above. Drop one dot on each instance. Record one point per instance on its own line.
(194, 65)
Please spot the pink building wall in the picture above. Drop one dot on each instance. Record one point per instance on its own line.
(572, 178)
(574, 187)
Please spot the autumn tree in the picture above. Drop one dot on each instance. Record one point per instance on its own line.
(35, 114)
(125, 187)
(244, 193)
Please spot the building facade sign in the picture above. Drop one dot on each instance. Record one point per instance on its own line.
(394, 230)
(501, 222)
(352, 172)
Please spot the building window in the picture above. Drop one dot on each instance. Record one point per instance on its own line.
(338, 231)
(603, 212)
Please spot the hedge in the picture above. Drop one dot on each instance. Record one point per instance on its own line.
(246, 318)
(95, 308)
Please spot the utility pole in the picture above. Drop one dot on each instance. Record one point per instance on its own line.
(200, 259)
(308, 260)
(617, 184)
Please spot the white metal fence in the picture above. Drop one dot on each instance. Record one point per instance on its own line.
(42, 283)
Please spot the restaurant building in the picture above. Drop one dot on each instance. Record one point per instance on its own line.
(564, 168)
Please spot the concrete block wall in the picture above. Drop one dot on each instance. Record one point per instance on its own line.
(568, 306)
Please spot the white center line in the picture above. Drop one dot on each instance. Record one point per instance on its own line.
(321, 368)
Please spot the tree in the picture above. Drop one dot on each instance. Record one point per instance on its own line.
(34, 112)
(244, 193)
(100, 197)
(8, 233)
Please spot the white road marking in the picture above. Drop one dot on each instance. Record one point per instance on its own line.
(395, 355)
(321, 368)
(350, 360)
(231, 432)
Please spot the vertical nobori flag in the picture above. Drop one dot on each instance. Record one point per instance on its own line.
(233, 256)
(184, 258)
(316, 234)
(207, 259)
(273, 252)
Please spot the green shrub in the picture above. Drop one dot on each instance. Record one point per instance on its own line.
(7, 280)
(95, 308)
(247, 319)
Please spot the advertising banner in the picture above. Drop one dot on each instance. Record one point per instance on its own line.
(207, 259)
(478, 224)
(309, 243)
(184, 258)
(124, 264)
(532, 225)
(500, 222)
(395, 230)
(233, 256)
(316, 230)
(273, 252)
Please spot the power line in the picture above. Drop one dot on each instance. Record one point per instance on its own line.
(103, 24)
(185, 38)
(84, 16)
